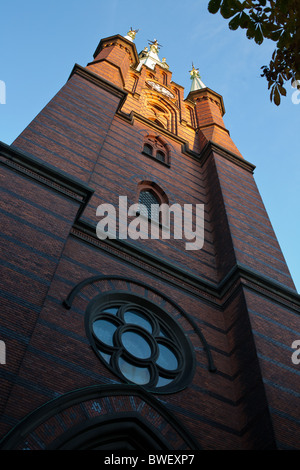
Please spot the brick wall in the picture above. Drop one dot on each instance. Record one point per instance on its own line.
(237, 289)
(35, 221)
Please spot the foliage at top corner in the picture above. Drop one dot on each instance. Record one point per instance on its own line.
(277, 20)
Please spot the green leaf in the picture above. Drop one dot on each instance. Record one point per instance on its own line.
(214, 6)
(245, 20)
(277, 98)
(250, 33)
(258, 36)
(282, 90)
(235, 22)
(236, 7)
(267, 29)
(226, 10)
(275, 35)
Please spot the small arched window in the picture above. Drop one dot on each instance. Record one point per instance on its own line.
(149, 205)
(160, 156)
(155, 147)
(148, 149)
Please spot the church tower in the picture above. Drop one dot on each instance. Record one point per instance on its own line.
(145, 300)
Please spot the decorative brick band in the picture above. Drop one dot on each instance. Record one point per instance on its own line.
(206, 98)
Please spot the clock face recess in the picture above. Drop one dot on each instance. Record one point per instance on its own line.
(160, 88)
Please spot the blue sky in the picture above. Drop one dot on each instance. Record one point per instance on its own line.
(41, 41)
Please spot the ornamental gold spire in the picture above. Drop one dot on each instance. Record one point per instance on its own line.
(131, 34)
(197, 83)
(149, 56)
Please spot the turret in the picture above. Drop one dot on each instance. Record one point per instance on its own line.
(113, 58)
(209, 109)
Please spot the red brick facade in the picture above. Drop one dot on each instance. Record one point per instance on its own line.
(234, 299)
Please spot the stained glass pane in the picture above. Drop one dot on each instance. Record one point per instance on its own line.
(104, 330)
(137, 375)
(166, 358)
(162, 381)
(112, 310)
(137, 318)
(163, 333)
(136, 345)
(105, 356)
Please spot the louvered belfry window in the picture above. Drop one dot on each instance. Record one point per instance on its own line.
(146, 200)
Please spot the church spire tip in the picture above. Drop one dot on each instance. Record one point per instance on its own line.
(197, 83)
(131, 34)
(149, 56)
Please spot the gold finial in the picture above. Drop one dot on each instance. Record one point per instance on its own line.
(154, 46)
(197, 83)
(132, 33)
(194, 72)
(164, 62)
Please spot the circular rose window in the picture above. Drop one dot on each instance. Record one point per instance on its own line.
(140, 342)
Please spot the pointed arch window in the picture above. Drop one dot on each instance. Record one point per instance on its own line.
(153, 203)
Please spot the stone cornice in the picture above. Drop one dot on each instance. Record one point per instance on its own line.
(217, 293)
(213, 147)
(99, 81)
(30, 167)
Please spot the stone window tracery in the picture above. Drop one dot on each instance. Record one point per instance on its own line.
(139, 342)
